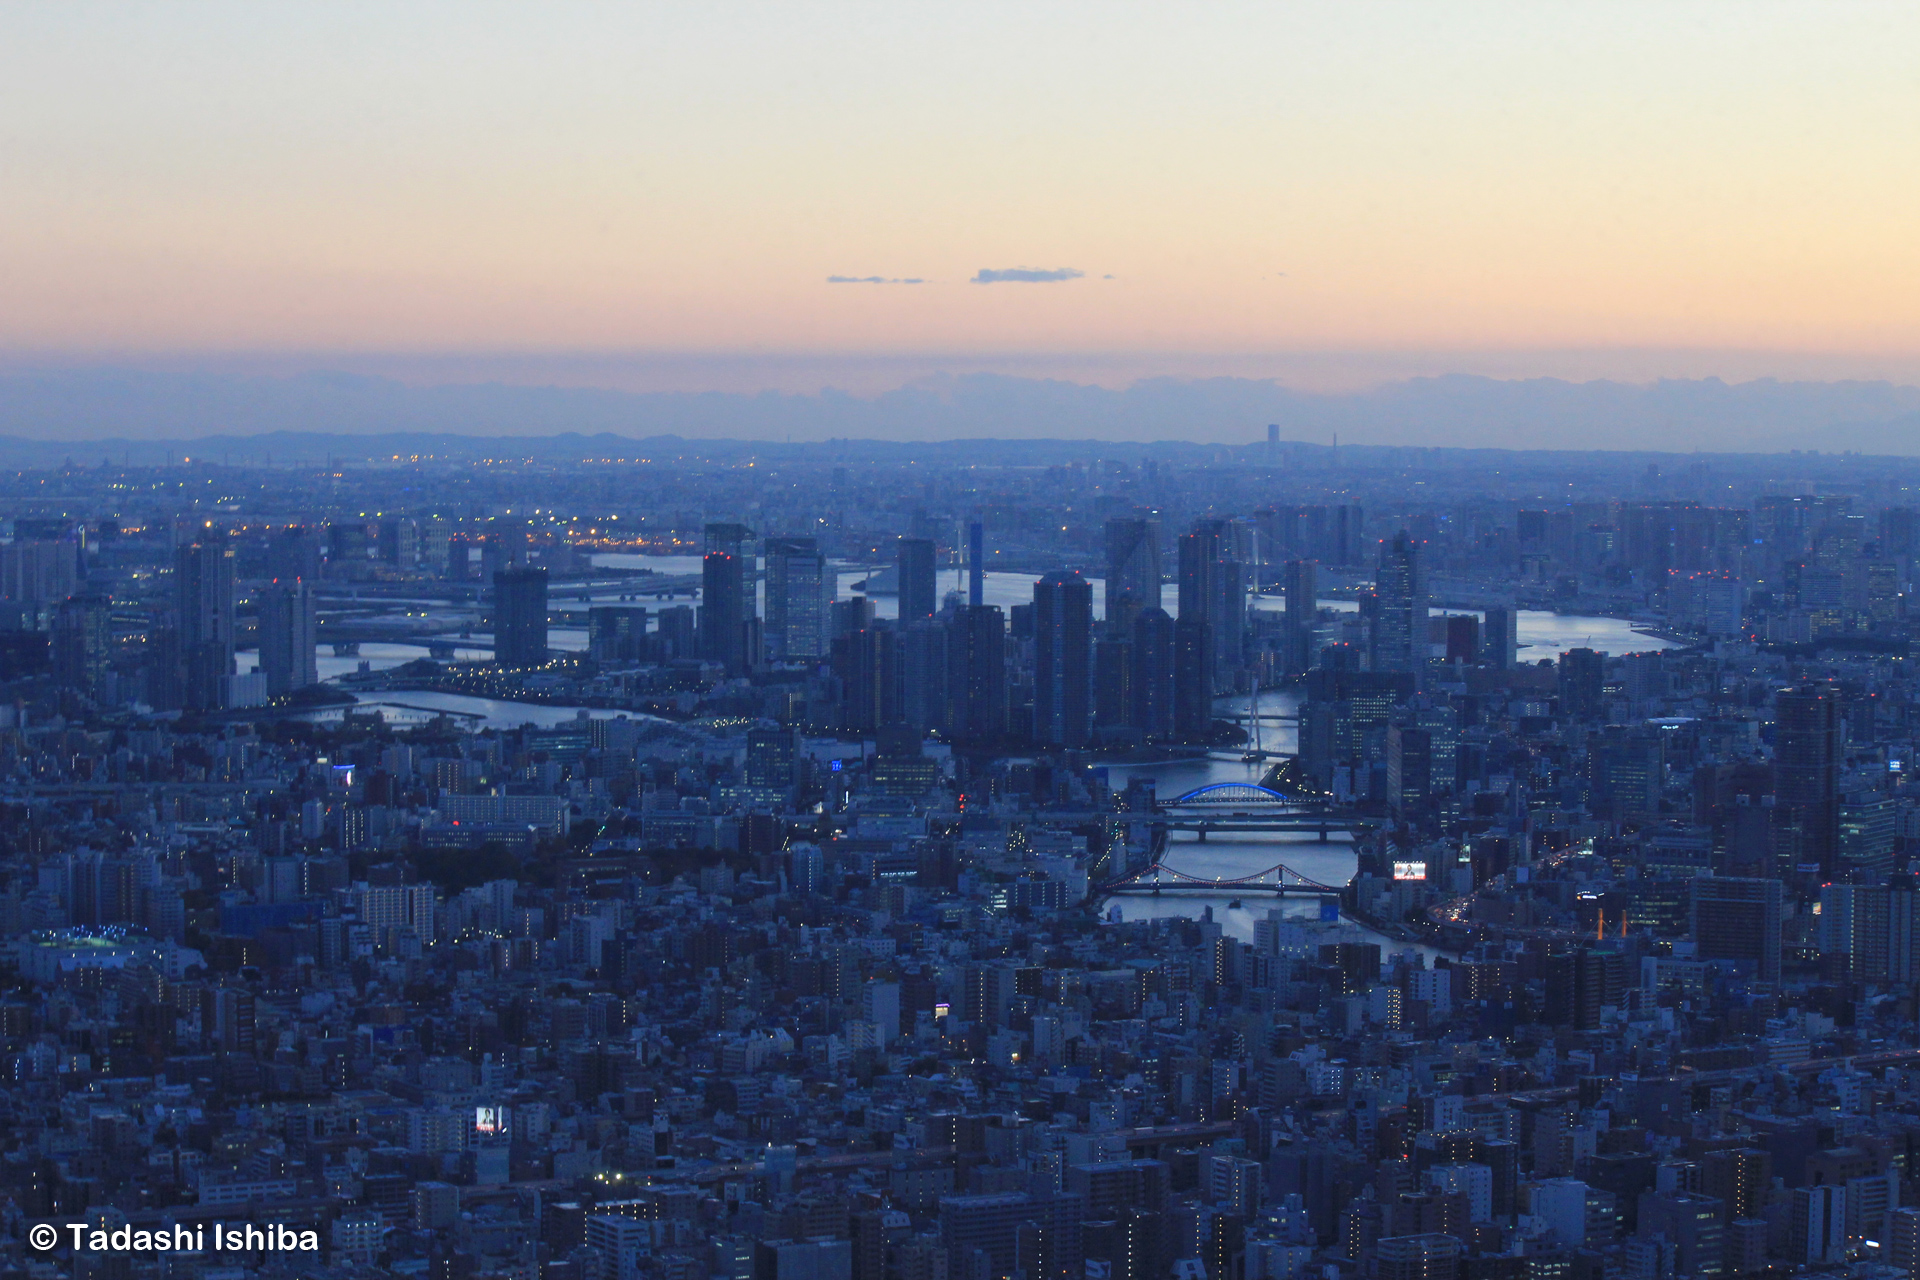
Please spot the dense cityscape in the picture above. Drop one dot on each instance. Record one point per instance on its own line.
(832, 863)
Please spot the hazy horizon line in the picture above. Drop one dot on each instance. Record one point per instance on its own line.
(1327, 371)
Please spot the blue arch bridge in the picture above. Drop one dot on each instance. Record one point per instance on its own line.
(1232, 807)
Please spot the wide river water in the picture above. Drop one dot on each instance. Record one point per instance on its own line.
(1540, 635)
(1223, 857)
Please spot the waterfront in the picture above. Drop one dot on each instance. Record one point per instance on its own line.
(413, 707)
(1540, 634)
(1223, 857)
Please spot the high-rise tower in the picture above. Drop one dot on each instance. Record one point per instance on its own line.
(1063, 656)
(520, 616)
(918, 595)
(726, 596)
(1400, 617)
(1133, 571)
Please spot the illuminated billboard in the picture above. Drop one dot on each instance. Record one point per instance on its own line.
(1409, 871)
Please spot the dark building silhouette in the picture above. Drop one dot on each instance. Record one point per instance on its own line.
(726, 596)
(82, 643)
(977, 673)
(1112, 683)
(1582, 680)
(677, 632)
(1499, 638)
(1152, 684)
(1400, 608)
(1213, 587)
(1409, 767)
(918, 595)
(1738, 919)
(864, 661)
(799, 590)
(1301, 584)
(976, 564)
(1133, 571)
(287, 637)
(926, 702)
(617, 632)
(204, 622)
(1192, 679)
(293, 553)
(520, 616)
(1577, 985)
(1806, 769)
(1063, 659)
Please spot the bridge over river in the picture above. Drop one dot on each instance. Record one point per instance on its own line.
(1233, 807)
(1279, 880)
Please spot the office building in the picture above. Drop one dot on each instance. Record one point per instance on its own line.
(977, 673)
(617, 633)
(1875, 927)
(1213, 590)
(1301, 585)
(1063, 660)
(1903, 1241)
(1806, 769)
(926, 700)
(726, 596)
(82, 643)
(865, 664)
(1738, 919)
(984, 1231)
(1626, 773)
(1582, 677)
(1691, 1222)
(287, 637)
(1152, 682)
(1399, 639)
(1428, 1256)
(1410, 777)
(1817, 1225)
(1500, 638)
(1133, 571)
(204, 622)
(1192, 682)
(293, 553)
(677, 632)
(919, 596)
(800, 588)
(1113, 682)
(520, 617)
(1739, 1178)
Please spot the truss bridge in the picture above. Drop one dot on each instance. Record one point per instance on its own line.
(1278, 880)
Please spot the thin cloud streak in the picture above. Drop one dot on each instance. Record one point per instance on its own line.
(1025, 275)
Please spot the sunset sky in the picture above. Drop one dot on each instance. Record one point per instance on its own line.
(1319, 192)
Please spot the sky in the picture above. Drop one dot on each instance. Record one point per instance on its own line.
(790, 195)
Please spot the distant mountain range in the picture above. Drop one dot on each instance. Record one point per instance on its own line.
(88, 412)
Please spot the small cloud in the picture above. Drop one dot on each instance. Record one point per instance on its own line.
(1108, 277)
(1025, 275)
(874, 280)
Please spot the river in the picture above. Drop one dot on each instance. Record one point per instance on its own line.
(1220, 857)
(1540, 634)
